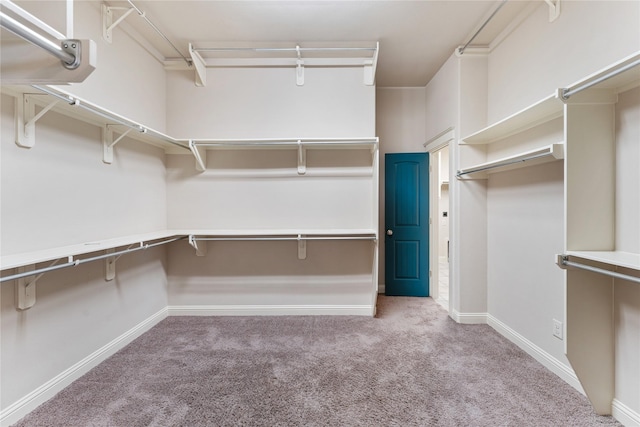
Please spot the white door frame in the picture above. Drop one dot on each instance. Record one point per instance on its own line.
(433, 145)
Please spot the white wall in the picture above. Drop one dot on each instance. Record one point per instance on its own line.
(400, 126)
(266, 103)
(261, 189)
(525, 290)
(59, 193)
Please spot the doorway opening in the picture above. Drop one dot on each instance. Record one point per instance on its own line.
(442, 223)
(439, 215)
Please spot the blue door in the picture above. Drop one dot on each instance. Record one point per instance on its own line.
(407, 224)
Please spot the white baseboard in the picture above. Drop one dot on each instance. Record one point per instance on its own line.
(270, 310)
(381, 288)
(16, 411)
(469, 318)
(625, 415)
(547, 360)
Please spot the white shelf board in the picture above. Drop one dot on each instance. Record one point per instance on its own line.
(621, 82)
(547, 154)
(541, 112)
(28, 258)
(287, 143)
(98, 116)
(614, 258)
(341, 232)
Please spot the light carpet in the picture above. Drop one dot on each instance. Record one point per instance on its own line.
(409, 366)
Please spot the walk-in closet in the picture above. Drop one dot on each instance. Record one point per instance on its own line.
(199, 158)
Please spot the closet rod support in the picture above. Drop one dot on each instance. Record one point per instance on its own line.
(56, 48)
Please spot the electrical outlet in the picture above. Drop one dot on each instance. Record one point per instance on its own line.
(557, 328)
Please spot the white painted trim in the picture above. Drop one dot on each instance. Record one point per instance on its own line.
(468, 318)
(269, 310)
(381, 288)
(440, 140)
(16, 411)
(625, 415)
(547, 360)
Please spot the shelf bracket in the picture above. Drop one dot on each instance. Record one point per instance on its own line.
(108, 24)
(554, 9)
(302, 158)
(200, 66)
(200, 156)
(26, 119)
(299, 68)
(108, 142)
(201, 248)
(110, 266)
(26, 287)
(302, 247)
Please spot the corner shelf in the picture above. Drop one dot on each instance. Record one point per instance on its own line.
(34, 257)
(546, 154)
(52, 98)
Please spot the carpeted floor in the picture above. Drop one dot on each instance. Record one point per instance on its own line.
(410, 366)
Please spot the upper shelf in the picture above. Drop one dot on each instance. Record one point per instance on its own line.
(53, 98)
(541, 112)
(354, 54)
(602, 86)
(199, 147)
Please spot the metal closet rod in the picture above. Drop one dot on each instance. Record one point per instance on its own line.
(33, 37)
(86, 260)
(95, 110)
(157, 30)
(462, 49)
(566, 262)
(566, 93)
(505, 163)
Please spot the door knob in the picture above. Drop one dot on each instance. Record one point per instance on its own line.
(389, 232)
